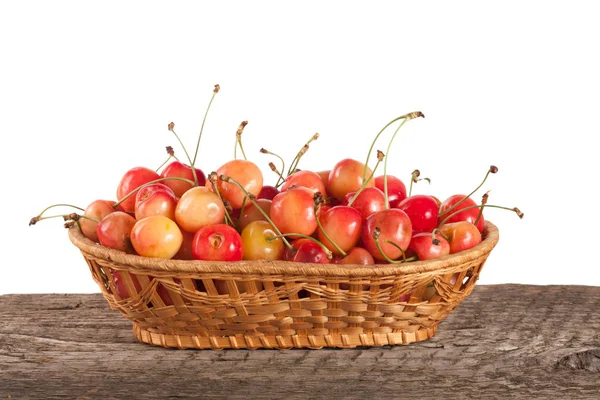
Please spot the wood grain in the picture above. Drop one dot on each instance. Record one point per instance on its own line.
(503, 341)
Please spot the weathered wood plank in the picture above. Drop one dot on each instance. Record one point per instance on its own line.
(504, 340)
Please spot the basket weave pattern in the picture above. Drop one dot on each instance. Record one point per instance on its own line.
(282, 305)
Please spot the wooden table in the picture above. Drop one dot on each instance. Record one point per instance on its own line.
(503, 341)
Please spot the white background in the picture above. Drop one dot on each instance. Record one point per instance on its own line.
(87, 90)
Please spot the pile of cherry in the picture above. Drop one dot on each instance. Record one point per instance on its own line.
(346, 215)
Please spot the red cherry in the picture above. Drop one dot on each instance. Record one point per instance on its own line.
(133, 179)
(395, 226)
(305, 250)
(368, 201)
(447, 208)
(396, 189)
(155, 199)
(114, 231)
(342, 224)
(293, 211)
(121, 286)
(179, 170)
(267, 192)
(218, 242)
(461, 235)
(423, 246)
(422, 211)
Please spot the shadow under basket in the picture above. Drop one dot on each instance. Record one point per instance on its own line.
(280, 304)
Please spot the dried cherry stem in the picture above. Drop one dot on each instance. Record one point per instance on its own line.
(414, 178)
(238, 140)
(380, 157)
(318, 198)
(166, 178)
(484, 200)
(171, 128)
(376, 234)
(171, 154)
(492, 170)
(212, 177)
(65, 217)
(215, 91)
(514, 209)
(274, 169)
(284, 235)
(301, 153)
(281, 178)
(407, 117)
(251, 197)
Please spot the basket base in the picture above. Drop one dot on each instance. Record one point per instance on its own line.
(282, 342)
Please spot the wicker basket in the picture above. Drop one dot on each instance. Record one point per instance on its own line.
(281, 305)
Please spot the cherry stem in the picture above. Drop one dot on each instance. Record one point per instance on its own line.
(238, 140)
(435, 240)
(215, 91)
(283, 236)
(374, 141)
(241, 213)
(212, 177)
(484, 200)
(166, 178)
(171, 128)
(281, 178)
(302, 151)
(163, 164)
(229, 179)
(380, 157)
(414, 178)
(492, 170)
(274, 169)
(318, 201)
(376, 234)
(59, 205)
(65, 217)
(385, 182)
(515, 209)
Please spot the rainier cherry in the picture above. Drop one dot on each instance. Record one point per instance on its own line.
(396, 189)
(199, 207)
(340, 228)
(306, 250)
(305, 178)
(250, 213)
(97, 210)
(246, 173)
(218, 242)
(425, 247)
(449, 206)
(347, 176)
(131, 181)
(294, 211)
(155, 199)
(156, 236)
(394, 226)
(422, 211)
(461, 235)
(357, 255)
(368, 201)
(267, 192)
(259, 242)
(114, 231)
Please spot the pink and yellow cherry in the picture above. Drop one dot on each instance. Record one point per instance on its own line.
(358, 256)
(370, 200)
(448, 207)
(177, 169)
(347, 176)
(340, 225)
(246, 173)
(461, 235)
(396, 189)
(197, 208)
(259, 242)
(155, 199)
(251, 213)
(425, 247)
(422, 211)
(267, 192)
(218, 242)
(133, 179)
(395, 226)
(324, 175)
(156, 236)
(307, 251)
(114, 231)
(307, 179)
(293, 211)
(97, 209)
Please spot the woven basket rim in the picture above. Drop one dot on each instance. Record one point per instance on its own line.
(121, 260)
